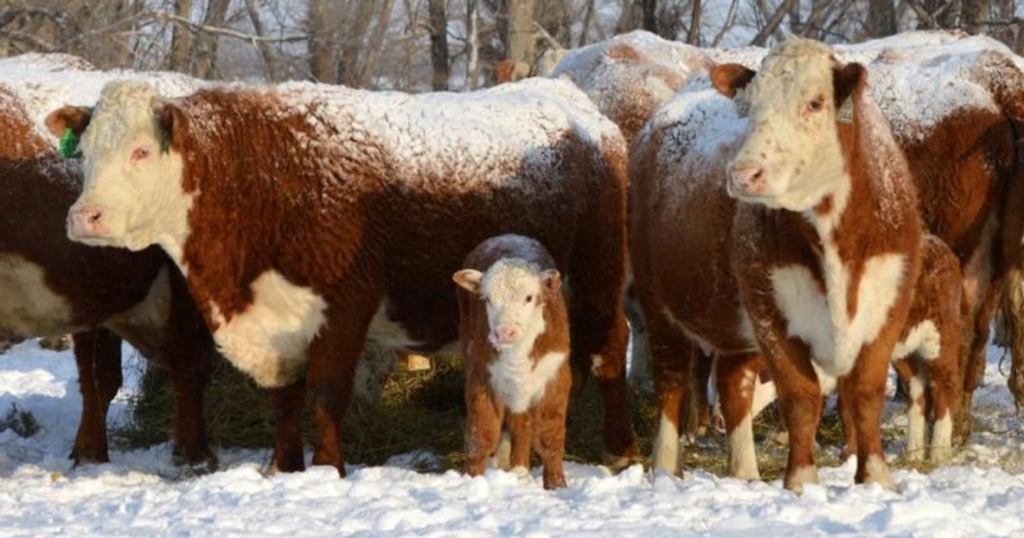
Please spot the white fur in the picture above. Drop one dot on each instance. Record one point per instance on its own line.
(270, 339)
(742, 458)
(878, 471)
(520, 384)
(27, 305)
(923, 339)
(387, 333)
(764, 394)
(915, 421)
(822, 322)
(942, 439)
(666, 447)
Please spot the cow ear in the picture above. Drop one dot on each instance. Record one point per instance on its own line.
(173, 123)
(727, 78)
(551, 279)
(468, 279)
(847, 81)
(75, 118)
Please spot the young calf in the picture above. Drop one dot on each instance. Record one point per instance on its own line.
(514, 327)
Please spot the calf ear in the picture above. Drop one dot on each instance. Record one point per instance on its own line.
(551, 279)
(468, 279)
(848, 81)
(727, 78)
(173, 123)
(75, 118)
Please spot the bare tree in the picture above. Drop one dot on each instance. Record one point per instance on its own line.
(438, 44)
(520, 36)
(181, 38)
(973, 15)
(588, 20)
(773, 23)
(253, 8)
(472, 43)
(204, 47)
(650, 15)
(693, 37)
(881, 18)
(369, 67)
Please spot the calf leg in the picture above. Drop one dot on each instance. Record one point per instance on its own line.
(944, 393)
(483, 426)
(698, 407)
(549, 429)
(98, 355)
(671, 355)
(520, 427)
(914, 376)
(287, 403)
(736, 380)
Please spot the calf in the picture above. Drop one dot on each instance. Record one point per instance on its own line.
(514, 327)
(807, 254)
(306, 219)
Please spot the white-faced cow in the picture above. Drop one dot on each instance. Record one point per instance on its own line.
(514, 327)
(309, 219)
(792, 232)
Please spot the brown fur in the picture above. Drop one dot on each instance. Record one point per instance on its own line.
(720, 251)
(379, 239)
(545, 421)
(18, 137)
(101, 285)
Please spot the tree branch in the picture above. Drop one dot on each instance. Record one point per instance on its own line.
(194, 27)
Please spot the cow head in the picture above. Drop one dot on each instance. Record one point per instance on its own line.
(133, 195)
(791, 157)
(515, 292)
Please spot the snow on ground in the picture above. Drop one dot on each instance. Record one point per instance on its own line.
(142, 494)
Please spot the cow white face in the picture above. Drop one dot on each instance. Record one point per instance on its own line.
(133, 195)
(792, 157)
(514, 292)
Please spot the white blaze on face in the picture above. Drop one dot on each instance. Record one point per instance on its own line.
(131, 177)
(792, 138)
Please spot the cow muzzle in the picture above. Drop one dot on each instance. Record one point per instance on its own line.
(748, 179)
(86, 223)
(505, 335)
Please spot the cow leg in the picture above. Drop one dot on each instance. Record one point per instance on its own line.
(671, 357)
(549, 430)
(189, 357)
(863, 393)
(736, 381)
(698, 406)
(849, 428)
(98, 355)
(287, 403)
(943, 393)
(973, 366)
(911, 372)
(483, 426)
(519, 427)
(801, 401)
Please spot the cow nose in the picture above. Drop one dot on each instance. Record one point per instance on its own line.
(748, 177)
(87, 222)
(506, 334)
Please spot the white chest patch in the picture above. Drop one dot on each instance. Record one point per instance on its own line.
(518, 382)
(822, 320)
(270, 339)
(923, 339)
(27, 305)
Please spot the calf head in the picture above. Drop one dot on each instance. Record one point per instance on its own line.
(792, 157)
(515, 292)
(133, 195)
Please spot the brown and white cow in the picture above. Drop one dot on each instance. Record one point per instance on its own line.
(309, 219)
(793, 233)
(514, 328)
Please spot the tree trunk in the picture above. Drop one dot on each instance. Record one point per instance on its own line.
(253, 8)
(520, 33)
(473, 43)
(438, 44)
(693, 38)
(973, 15)
(205, 46)
(795, 19)
(650, 12)
(588, 19)
(376, 44)
(881, 18)
(322, 18)
(773, 23)
(181, 38)
(352, 41)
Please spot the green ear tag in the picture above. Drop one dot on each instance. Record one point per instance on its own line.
(68, 147)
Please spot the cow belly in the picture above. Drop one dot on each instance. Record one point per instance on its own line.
(270, 338)
(28, 307)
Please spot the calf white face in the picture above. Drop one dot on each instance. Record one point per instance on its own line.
(514, 293)
(792, 157)
(133, 195)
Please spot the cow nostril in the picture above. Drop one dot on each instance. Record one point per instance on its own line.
(94, 217)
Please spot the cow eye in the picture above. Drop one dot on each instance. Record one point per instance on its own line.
(815, 105)
(529, 298)
(140, 153)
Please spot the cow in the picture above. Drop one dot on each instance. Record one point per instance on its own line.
(514, 329)
(309, 219)
(791, 232)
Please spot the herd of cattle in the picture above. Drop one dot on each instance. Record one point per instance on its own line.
(809, 213)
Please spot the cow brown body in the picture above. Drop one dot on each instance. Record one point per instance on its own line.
(51, 286)
(740, 272)
(542, 424)
(302, 195)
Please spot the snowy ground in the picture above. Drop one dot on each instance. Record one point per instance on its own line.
(141, 494)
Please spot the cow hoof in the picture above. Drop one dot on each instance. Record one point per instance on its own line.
(554, 482)
(89, 456)
(198, 462)
(616, 463)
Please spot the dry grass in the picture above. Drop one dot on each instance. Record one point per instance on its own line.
(425, 410)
